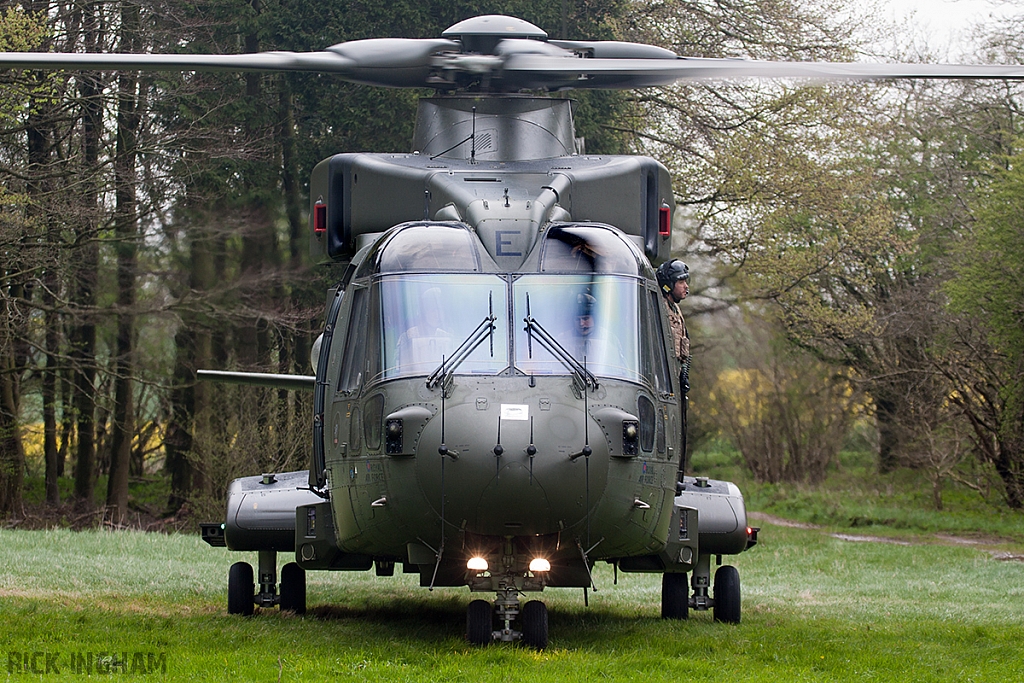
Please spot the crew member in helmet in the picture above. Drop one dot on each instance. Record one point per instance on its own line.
(674, 281)
(593, 341)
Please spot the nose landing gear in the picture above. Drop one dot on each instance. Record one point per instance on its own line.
(243, 596)
(533, 620)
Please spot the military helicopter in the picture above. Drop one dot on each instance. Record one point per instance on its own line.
(467, 426)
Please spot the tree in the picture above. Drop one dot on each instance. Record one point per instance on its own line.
(779, 203)
(12, 451)
(130, 109)
(18, 31)
(786, 412)
(985, 351)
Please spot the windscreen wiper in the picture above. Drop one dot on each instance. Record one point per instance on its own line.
(535, 329)
(484, 330)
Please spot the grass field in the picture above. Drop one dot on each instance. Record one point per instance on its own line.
(816, 608)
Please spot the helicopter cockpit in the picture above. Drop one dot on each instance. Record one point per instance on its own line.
(441, 306)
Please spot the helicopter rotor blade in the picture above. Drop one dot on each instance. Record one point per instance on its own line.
(328, 62)
(546, 71)
(504, 54)
(395, 62)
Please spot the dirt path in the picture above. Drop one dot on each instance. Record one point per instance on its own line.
(993, 546)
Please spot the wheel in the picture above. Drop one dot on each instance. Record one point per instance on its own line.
(727, 595)
(675, 596)
(535, 624)
(293, 588)
(241, 589)
(478, 622)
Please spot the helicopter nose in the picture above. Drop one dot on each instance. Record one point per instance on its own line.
(514, 502)
(511, 488)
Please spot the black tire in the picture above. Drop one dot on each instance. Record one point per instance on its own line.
(727, 595)
(241, 589)
(535, 624)
(478, 622)
(675, 596)
(293, 588)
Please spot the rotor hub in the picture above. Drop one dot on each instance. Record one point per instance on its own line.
(482, 34)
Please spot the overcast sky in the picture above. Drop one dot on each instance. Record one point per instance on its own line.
(945, 22)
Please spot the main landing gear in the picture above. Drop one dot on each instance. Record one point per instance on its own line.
(533, 620)
(676, 600)
(242, 594)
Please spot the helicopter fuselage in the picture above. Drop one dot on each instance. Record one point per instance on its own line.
(496, 403)
(557, 442)
(512, 444)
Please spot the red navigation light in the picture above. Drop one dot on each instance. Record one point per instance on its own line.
(752, 536)
(319, 218)
(664, 221)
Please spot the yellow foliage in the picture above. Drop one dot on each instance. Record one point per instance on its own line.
(788, 417)
(33, 439)
(21, 31)
(745, 391)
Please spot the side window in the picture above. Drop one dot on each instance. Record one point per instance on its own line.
(648, 331)
(353, 361)
(659, 356)
(373, 422)
(648, 423)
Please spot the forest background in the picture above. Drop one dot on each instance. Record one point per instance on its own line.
(857, 249)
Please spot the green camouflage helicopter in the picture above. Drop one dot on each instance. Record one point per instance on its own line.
(465, 426)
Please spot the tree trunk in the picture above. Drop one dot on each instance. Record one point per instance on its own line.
(12, 452)
(87, 259)
(888, 437)
(178, 441)
(39, 137)
(126, 229)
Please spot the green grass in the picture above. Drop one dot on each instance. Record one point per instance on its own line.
(815, 608)
(856, 496)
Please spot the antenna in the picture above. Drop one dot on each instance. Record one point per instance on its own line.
(529, 329)
(531, 450)
(472, 138)
(586, 443)
(443, 451)
(498, 450)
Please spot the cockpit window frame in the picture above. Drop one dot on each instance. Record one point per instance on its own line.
(557, 315)
(628, 263)
(605, 234)
(387, 367)
(468, 260)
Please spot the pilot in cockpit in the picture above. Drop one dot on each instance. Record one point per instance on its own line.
(593, 341)
(423, 345)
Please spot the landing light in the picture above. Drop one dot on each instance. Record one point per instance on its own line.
(477, 564)
(539, 564)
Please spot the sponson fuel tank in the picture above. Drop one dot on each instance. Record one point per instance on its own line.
(261, 510)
